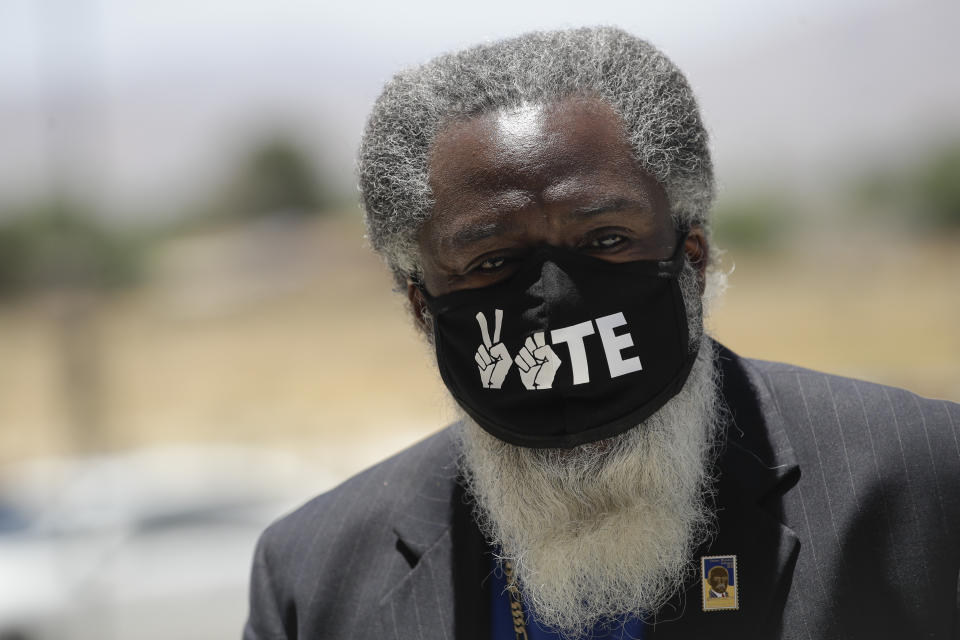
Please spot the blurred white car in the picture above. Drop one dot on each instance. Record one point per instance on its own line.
(150, 544)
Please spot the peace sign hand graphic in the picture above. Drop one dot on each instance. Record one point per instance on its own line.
(492, 356)
(537, 362)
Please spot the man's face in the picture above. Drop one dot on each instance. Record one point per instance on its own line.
(563, 174)
(718, 583)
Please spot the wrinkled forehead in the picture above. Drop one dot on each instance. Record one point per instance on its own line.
(509, 158)
(531, 143)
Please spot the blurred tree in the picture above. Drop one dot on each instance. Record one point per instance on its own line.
(277, 177)
(752, 220)
(60, 249)
(936, 187)
(60, 245)
(923, 196)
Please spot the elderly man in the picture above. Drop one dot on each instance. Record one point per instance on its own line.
(544, 202)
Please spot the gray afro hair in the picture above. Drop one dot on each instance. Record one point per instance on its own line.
(647, 90)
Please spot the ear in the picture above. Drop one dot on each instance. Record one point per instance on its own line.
(418, 306)
(698, 253)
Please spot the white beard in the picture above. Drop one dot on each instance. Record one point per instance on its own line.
(605, 529)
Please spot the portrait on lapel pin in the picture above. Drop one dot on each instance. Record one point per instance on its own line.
(719, 575)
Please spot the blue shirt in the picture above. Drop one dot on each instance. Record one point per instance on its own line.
(501, 620)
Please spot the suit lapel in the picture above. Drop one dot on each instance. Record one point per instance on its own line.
(756, 468)
(425, 603)
(422, 604)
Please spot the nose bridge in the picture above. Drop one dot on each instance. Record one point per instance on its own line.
(555, 281)
(554, 292)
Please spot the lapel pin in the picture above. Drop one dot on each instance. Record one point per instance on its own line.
(721, 590)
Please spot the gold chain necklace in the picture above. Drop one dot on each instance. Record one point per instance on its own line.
(516, 605)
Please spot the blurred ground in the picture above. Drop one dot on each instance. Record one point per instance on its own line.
(880, 308)
(285, 332)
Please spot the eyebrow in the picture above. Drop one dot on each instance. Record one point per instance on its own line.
(612, 205)
(475, 233)
(479, 232)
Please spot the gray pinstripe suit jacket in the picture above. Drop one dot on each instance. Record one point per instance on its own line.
(840, 498)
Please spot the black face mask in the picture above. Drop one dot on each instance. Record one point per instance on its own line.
(570, 349)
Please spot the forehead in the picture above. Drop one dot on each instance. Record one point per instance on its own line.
(530, 147)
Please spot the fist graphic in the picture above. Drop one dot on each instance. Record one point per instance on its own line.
(537, 362)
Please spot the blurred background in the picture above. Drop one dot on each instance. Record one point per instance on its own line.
(194, 336)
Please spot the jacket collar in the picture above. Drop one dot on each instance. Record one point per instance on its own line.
(444, 592)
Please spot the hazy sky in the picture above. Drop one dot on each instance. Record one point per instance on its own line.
(142, 102)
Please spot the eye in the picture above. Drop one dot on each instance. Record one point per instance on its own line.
(491, 264)
(606, 242)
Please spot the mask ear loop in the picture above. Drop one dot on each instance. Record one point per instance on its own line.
(671, 267)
